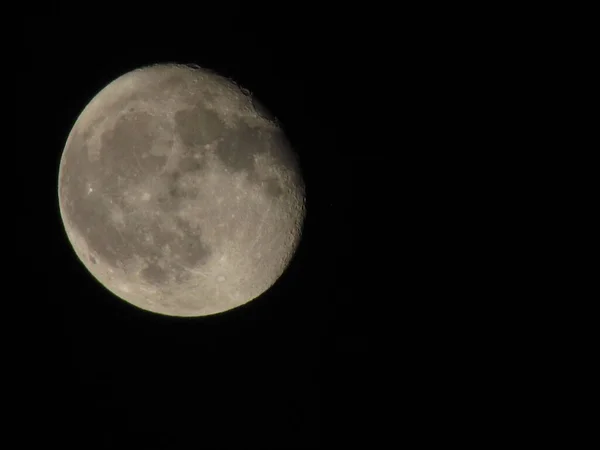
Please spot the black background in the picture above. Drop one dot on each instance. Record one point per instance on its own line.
(292, 369)
(409, 125)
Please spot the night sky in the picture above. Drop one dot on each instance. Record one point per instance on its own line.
(288, 370)
(403, 315)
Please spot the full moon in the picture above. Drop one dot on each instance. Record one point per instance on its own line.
(179, 193)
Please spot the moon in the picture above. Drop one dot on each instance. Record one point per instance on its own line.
(179, 193)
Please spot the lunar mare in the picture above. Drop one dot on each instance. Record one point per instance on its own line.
(179, 193)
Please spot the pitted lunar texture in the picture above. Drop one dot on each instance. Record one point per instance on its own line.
(179, 193)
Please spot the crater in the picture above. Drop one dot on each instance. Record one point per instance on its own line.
(245, 92)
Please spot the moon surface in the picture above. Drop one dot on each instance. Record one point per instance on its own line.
(179, 193)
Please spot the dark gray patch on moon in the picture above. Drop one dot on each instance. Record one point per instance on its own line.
(191, 249)
(198, 126)
(239, 146)
(190, 164)
(238, 150)
(123, 147)
(154, 274)
(176, 188)
(168, 200)
(236, 147)
(273, 187)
